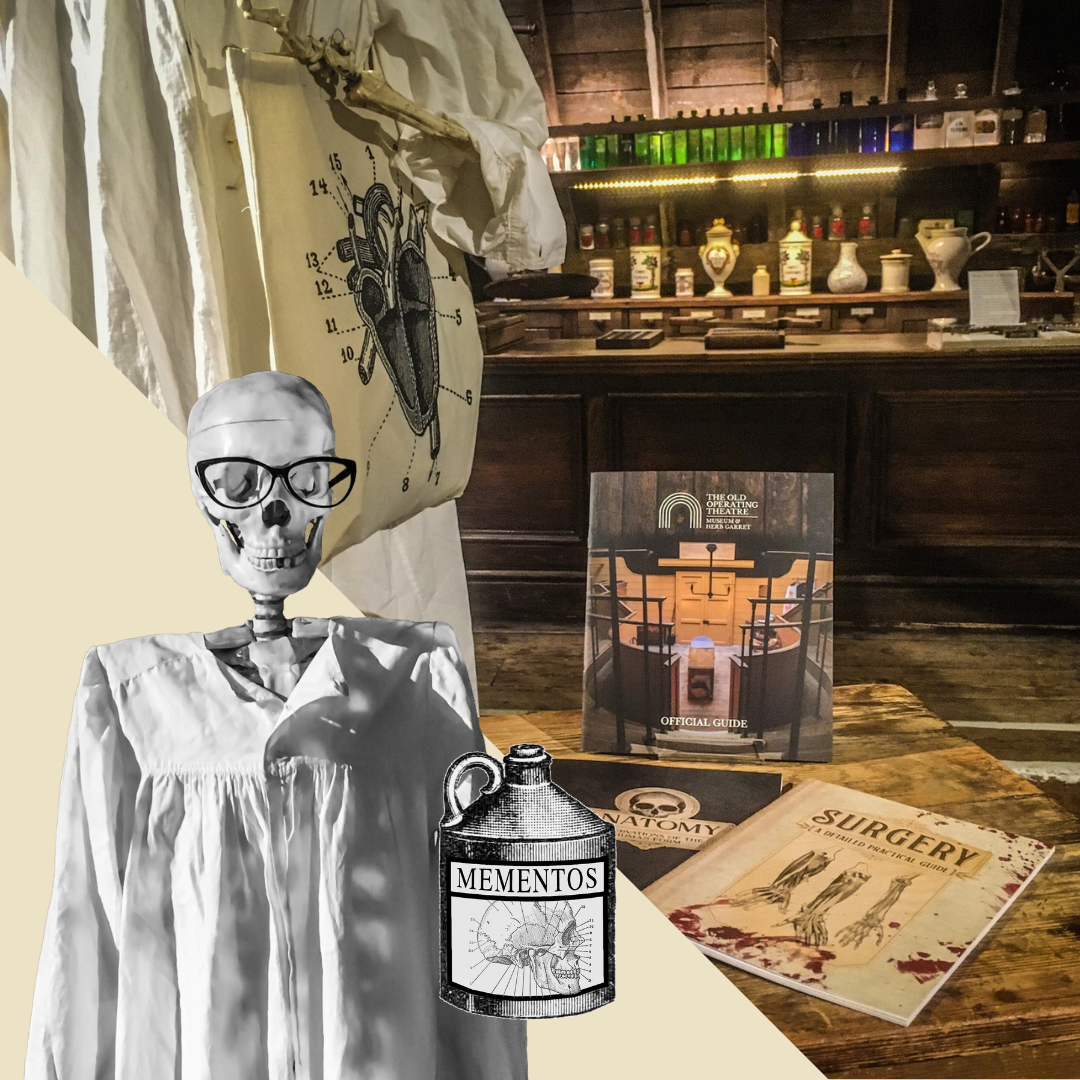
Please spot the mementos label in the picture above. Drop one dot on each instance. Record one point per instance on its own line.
(526, 929)
(535, 882)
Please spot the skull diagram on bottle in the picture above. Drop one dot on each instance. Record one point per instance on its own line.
(540, 936)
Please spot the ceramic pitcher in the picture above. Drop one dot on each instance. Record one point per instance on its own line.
(947, 250)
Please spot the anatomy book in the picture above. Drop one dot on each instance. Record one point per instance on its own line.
(664, 814)
(852, 898)
(709, 616)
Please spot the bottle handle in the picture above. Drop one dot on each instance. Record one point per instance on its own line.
(494, 769)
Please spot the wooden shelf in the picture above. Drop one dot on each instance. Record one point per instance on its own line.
(807, 166)
(745, 300)
(798, 116)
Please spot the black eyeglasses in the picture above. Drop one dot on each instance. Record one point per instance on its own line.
(237, 482)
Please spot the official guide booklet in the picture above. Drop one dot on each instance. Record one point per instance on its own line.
(709, 616)
(664, 814)
(852, 898)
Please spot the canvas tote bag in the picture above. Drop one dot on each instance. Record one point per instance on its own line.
(364, 300)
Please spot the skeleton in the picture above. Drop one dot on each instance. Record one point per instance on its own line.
(542, 937)
(857, 932)
(271, 543)
(656, 804)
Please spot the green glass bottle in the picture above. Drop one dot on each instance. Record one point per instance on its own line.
(587, 154)
(779, 136)
(708, 138)
(656, 154)
(736, 134)
(667, 147)
(723, 141)
(749, 138)
(641, 144)
(680, 143)
(600, 160)
(764, 135)
(612, 147)
(693, 141)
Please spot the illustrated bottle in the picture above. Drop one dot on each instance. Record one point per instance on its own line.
(901, 127)
(680, 143)
(960, 123)
(527, 893)
(641, 145)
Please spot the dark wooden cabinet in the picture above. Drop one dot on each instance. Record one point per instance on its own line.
(957, 475)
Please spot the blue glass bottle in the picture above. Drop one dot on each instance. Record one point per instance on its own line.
(817, 134)
(874, 130)
(847, 132)
(901, 127)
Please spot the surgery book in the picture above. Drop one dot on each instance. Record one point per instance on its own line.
(709, 616)
(664, 814)
(849, 897)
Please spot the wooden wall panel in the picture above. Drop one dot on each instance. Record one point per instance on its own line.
(528, 475)
(598, 59)
(970, 468)
(799, 432)
(833, 45)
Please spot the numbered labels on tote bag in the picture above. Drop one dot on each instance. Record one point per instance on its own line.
(364, 300)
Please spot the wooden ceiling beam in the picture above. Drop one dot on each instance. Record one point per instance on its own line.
(654, 56)
(530, 25)
(896, 48)
(1008, 43)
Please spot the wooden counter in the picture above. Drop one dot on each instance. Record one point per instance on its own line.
(957, 474)
(1012, 1009)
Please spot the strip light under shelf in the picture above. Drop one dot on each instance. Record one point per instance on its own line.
(647, 184)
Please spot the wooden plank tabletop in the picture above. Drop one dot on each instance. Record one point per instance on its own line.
(1012, 1009)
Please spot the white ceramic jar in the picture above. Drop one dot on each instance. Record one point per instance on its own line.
(895, 271)
(645, 271)
(604, 272)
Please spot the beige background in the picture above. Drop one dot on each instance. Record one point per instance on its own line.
(102, 541)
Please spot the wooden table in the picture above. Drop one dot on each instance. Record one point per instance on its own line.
(1013, 1008)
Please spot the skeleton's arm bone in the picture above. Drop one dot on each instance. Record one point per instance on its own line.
(363, 88)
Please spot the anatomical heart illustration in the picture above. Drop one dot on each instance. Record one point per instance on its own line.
(391, 284)
(363, 297)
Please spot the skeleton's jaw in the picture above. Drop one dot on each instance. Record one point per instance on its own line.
(274, 563)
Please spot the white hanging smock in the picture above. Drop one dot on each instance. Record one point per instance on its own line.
(246, 887)
(129, 209)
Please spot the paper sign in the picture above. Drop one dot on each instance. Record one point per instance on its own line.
(754, 313)
(994, 296)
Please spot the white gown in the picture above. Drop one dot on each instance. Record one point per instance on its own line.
(246, 887)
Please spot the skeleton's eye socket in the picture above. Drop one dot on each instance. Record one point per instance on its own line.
(311, 480)
(237, 483)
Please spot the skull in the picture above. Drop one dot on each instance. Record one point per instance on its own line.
(272, 549)
(657, 804)
(544, 938)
